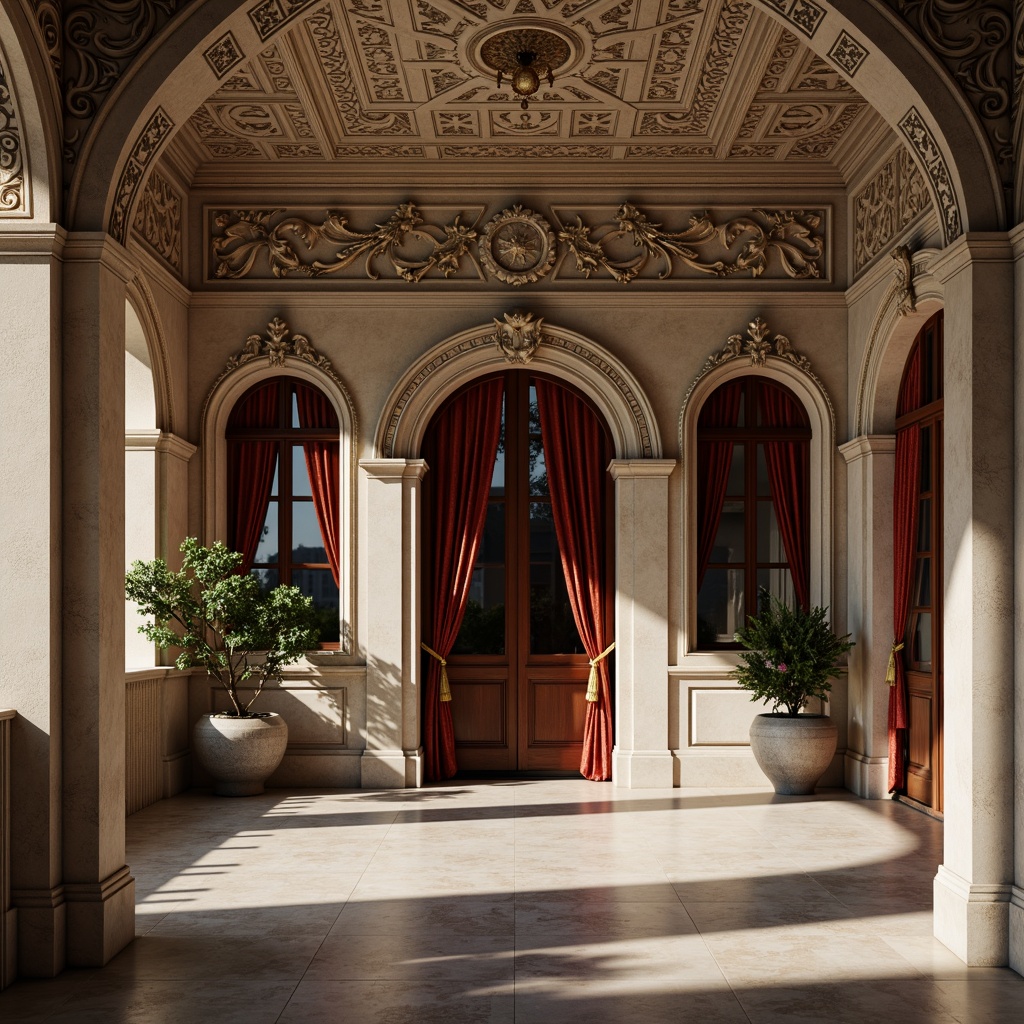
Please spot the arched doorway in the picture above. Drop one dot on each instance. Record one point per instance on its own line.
(518, 669)
(918, 566)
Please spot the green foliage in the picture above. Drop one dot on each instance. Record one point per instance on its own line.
(791, 655)
(222, 621)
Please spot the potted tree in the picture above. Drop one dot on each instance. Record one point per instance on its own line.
(791, 655)
(242, 635)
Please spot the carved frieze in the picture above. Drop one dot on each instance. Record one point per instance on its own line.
(224, 55)
(923, 143)
(518, 246)
(974, 39)
(158, 219)
(156, 131)
(886, 205)
(13, 191)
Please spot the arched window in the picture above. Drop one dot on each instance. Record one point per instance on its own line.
(284, 491)
(753, 457)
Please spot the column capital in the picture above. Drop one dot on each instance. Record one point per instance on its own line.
(42, 240)
(394, 469)
(868, 444)
(658, 468)
(974, 247)
(99, 247)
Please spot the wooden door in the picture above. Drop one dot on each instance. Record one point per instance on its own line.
(923, 639)
(518, 671)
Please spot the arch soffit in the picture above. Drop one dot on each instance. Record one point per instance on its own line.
(877, 52)
(889, 342)
(142, 302)
(561, 353)
(28, 122)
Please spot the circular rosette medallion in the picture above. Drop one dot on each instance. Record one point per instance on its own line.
(518, 246)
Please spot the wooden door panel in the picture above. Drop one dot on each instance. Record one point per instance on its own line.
(556, 709)
(484, 731)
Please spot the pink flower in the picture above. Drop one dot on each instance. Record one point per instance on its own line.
(783, 667)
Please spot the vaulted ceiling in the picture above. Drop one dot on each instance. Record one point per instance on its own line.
(649, 83)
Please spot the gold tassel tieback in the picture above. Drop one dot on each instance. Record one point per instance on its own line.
(446, 691)
(592, 680)
(890, 672)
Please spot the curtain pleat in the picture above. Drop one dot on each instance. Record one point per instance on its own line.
(904, 546)
(460, 450)
(253, 471)
(576, 457)
(323, 466)
(787, 476)
(714, 461)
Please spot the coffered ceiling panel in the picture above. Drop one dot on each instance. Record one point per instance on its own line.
(652, 80)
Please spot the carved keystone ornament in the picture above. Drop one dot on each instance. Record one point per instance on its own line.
(518, 337)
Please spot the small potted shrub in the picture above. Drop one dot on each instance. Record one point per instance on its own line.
(242, 636)
(791, 655)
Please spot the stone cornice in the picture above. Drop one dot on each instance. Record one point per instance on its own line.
(20, 239)
(974, 247)
(99, 247)
(394, 469)
(631, 468)
(868, 444)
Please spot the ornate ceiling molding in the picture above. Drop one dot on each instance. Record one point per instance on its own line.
(158, 219)
(974, 40)
(143, 154)
(14, 198)
(929, 155)
(519, 247)
(887, 204)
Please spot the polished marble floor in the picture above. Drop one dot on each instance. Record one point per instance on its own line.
(534, 902)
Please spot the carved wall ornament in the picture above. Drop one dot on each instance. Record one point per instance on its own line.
(224, 55)
(903, 274)
(293, 245)
(517, 246)
(848, 54)
(268, 16)
(806, 15)
(518, 337)
(761, 351)
(158, 219)
(277, 347)
(886, 206)
(13, 191)
(921, 140)
(745, 245)
(147, 146)
(974, 39)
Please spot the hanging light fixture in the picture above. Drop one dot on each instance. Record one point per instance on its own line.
(525, 56)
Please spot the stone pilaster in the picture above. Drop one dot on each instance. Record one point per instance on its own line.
(870, 467)
(30, 566)
(642, 759)
(972, 887)
(99, 889)
(390, 605)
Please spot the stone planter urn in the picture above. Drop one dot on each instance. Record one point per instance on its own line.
(793, 750)
(240, 753)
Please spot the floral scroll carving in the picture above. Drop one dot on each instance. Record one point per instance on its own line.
(277, 347)
(903, 277)
(746, 245)
(158, 219)
(13, 196)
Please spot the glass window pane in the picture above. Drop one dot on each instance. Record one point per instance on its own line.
(492, 544)
(273, 486)
(538, 469)
(267, 577)
(319, 584)
(924, 525)
(552, 626)
(307, 543)
(498, 476)
(921, 641)
(778, 583)
(926, 459)
(741, 419)
(295, 409)
(300, 474)
(923, 583)
(268, 547)
(769, 541)
(483, 625)
(729, 541)
(764, 486)
(737, 471)
(720, 606)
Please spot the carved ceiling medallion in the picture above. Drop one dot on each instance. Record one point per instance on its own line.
(518, 246)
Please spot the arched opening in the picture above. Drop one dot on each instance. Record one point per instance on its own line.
(518, 665)
(141, 436)
(916, 748)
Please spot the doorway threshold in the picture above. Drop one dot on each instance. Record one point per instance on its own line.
(918, 806)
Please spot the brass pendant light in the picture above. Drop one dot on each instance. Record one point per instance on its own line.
(525, 56)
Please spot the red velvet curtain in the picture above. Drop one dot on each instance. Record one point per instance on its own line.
(252, 470)
(787, 475)
(460, 450)
(714, 461)
(322, 464)
(576, 457)
(904, 545)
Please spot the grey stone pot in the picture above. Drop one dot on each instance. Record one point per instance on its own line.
(240, 753)
(793, 750)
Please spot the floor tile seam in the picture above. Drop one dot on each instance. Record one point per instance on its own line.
(721, 971)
